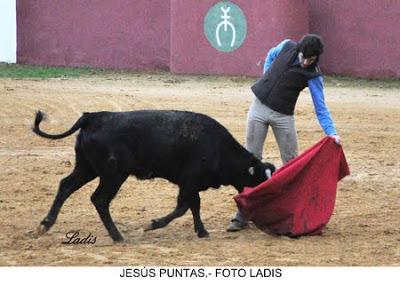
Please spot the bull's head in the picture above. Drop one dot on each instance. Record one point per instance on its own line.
(257, 173)
(261, 172)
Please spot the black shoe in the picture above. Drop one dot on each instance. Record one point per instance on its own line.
(237, 226)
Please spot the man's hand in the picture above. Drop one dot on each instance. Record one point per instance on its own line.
(336, 138)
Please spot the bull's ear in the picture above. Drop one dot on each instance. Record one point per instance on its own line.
(251, 171)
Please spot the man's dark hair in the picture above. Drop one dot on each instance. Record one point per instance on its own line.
(311, 45)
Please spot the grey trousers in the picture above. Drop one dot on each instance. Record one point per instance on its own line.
(260, 117)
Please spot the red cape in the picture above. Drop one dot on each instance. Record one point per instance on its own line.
(300, 197)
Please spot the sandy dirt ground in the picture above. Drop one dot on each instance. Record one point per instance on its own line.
(364, 229)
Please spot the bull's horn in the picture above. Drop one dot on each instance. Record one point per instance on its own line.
(268, 173)
(251, 171)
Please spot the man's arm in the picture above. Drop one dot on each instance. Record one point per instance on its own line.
(272, 54)
(316, 86)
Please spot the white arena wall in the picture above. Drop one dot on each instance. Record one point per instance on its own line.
(8, 31)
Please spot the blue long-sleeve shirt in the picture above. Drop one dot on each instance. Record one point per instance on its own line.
(316, 87)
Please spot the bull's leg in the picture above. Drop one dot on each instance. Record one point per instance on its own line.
(79, 177)
(194, 204)
(101, 199)
(180, 210)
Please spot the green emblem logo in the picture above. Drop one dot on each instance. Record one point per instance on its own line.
(225, 26)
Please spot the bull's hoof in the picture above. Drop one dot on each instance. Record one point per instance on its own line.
(155, 223)
(41, 229)
(118, 240)
(203, 233)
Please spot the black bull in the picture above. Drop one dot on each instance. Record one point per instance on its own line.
(188, 149)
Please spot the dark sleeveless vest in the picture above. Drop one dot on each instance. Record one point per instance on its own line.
(280, 86)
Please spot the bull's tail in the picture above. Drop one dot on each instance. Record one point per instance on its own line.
(40, 116)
